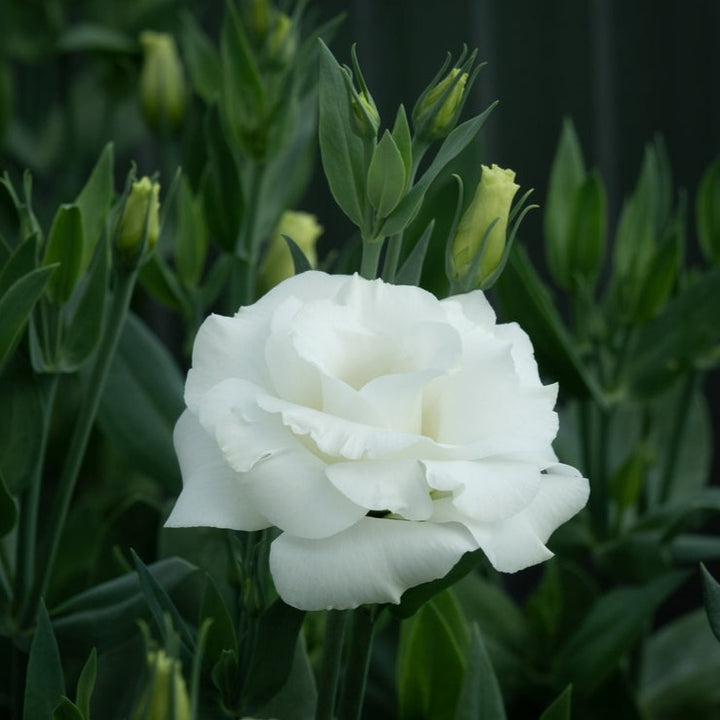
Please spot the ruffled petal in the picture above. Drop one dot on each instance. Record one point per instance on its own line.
(213, 494)
(519, 541)
(486, 490)
(395, 485)
(374, 561)
(291, 489)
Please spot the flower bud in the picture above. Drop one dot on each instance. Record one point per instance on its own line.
(282, 42)
(277, 265)
(366, 118)
(162, 83)
(165, 677)
(491, 203)
(435, 113)
(143, 203)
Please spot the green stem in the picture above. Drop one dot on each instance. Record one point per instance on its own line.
(353, 695)
(392, 257)
(370, 258)
(330, 670)
(29, 506)
(677, 434)
(81, 432)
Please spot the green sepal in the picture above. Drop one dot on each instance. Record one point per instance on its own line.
(711, 598)
(300, 262)
(386, 176)
(480, 696)
(567, 176)
(341, 149)
(65, 249)
(94, 202)
(45, 684)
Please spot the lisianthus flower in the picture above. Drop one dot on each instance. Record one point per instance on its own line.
(384, 432)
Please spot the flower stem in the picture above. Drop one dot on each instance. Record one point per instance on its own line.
(27, 522)
(330, 670)
(81, 433)
(370, 258)
(392, 257)
(353, 695)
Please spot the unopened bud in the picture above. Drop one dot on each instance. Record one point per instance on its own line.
(282, 42)
(162, 82)
(140, 220)
(435, 114)
(277, 265)
(491, 204)
(166, 691)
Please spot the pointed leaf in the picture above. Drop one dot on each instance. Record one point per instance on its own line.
(20, 262)
(16, 305)
(707, 213)
(386, 176)
(65, 247)
(411, 270)
(67, 710)
(203, 61)
(86, 684)
(8, 511)
(586, 232)
(403, 140)
(300, 261)
(711, 597)
(480, 696)
(221, 633)
(94, 203)
(191, 237)
(560, 708)
(45, 684)
(341, 149)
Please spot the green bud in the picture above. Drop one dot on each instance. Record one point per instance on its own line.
(142, 205)
(162, 82)
(435, 114)
(491, 204)
(364, 111)
(165, 678)
(277, 265)
(282, 42)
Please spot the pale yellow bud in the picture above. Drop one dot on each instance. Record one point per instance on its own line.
(162, 82)
(165, 678)
(282, 42)
(142, 202)
(492, 200)
(277, 265)
(441, 119)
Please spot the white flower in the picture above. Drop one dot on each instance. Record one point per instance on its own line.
(384, 432)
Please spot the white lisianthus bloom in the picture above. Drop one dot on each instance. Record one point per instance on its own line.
(384, 432)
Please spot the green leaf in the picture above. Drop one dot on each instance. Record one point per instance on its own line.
(22, 415)
(86, 684)
(681, 665)
(16, 305)
(693, 548)
(452, 146)
(707, 213)
(84, 325)
(94, 202)
(142, 400)
(105, 615)
(221, 634)
(19, 263)
(386, 176)
(610, 628)
(300, 261)
(560, 708)
(711, 597)
(203, 61)
(586, 233)
(45, 684)
(526, 299)
(480, 696)
(431, 660)
(191, 237)
(64, 247)
(411, 270)
(91, 37)
(274, 653)
(67, 710)
(160, 281)
(661, 356)
(8, 511)
(567, 176)
(340, 148)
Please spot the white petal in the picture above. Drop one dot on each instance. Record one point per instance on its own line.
(374, 561)
(486, 490)
(469, 311)
(213, 494)
(522, 352)
(395, 485)
(291, 489)
(519, 542)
